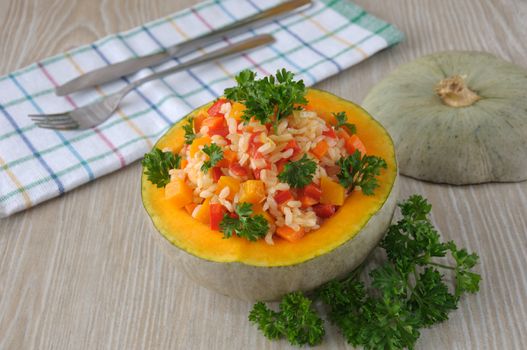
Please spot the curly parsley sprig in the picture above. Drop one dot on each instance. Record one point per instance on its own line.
(407, 293)
(300, 173)
(189, 131)
(270, 96)
(357, 170)
(158, 163)
(215, 154)
(342, 122)
(246, 225)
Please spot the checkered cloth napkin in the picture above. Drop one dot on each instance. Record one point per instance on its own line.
(38, 164)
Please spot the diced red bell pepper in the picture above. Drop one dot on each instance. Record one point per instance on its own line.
(313, 191)
(216, 125)
(307, 201)
(216, 215)
(330, 133)
(283, 196)
(324, 210)
(293, 145)
(216, 173)
(214, 110)
(254, 144)
(238, 170)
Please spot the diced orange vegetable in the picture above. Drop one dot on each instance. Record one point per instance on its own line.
(343, 134)
(267, 217)
(200, 141)
(237, 110)
(353, 144)
(198, 120)
(289, 234)
(257, 208)
(252, 191)
(203, 213)
(190, 208)
(232, 183)
(228, 157)
(178, 192)
(183, 164)
(332, 192)
(307, 201)
(320, 149)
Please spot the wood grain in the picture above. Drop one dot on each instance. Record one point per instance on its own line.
(83, 272)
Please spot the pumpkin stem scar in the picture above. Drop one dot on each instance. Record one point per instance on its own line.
(454, 92)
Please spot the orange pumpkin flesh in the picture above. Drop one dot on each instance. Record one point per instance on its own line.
(196, 238)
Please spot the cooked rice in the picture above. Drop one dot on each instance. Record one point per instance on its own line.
(305, 128)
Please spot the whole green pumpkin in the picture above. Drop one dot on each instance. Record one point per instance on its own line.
(456, 117)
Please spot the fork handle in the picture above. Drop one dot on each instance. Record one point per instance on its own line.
(230, 50)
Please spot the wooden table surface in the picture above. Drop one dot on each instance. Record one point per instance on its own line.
(83, 272)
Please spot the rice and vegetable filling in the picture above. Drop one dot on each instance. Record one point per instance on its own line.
(256, 172)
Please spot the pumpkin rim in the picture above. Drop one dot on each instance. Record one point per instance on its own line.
(239, 260)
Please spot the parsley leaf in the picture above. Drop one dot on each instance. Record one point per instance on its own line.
(189, 131)
(215, 154)
(342, 121)
(296, 320)
(245, 225)
(157, 164)
(357, 170)
(407, 292)
(300, 173)
(271, 96)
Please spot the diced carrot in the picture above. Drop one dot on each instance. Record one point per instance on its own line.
(216, 215)
(353, 144)
(252, 191)
(229, 155)
(183, 164)
(198, 120)
(289, 234)
(312, 191)
(343, 134)
(203, 213)
(179, 193)
(257, 208)
(232, 183)
(237, 110)
(200, 141)
(283, 196)
(332, 192)
(320, 149)
(324, 210)
(307, 201)
(268, 217)
(214, 110)
(190, 208)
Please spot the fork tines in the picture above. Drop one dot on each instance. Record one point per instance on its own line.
(54, 121)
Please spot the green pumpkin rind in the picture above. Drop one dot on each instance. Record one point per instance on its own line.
(483, 142)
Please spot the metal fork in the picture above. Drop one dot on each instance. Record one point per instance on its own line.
(97, 112)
